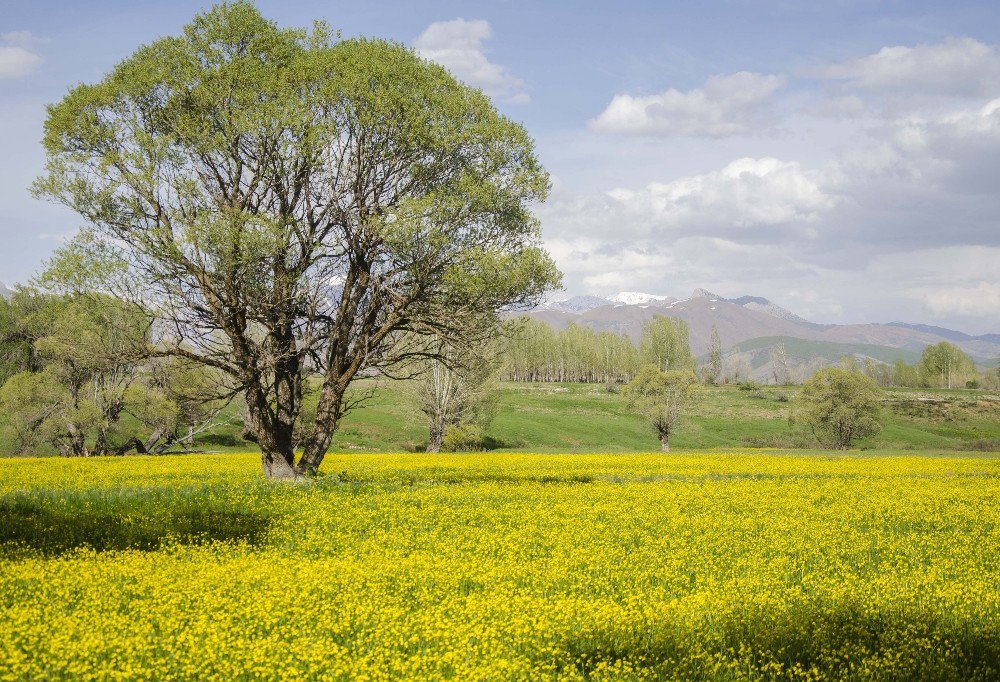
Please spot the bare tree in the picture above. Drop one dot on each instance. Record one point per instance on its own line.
(780, 365)
(453, 389)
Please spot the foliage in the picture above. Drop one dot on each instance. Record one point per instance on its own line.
(721, 566)
(945, 365)
(464, 437)
(661, 397)
(535, 351)
(86, 376)
(86, 371)
(840, 406)
(455, 391)
(287, 202)
(664, 344)
(905, 375)
(23, 318)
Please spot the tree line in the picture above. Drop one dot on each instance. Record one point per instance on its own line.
(942, 365)
(535, 351)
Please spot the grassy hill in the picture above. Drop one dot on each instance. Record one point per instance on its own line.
(588, 418)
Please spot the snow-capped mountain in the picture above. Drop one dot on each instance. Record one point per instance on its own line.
(575, 304)
(745, 318)
(638, 298)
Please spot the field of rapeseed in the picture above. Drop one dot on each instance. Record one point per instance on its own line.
(724, 566)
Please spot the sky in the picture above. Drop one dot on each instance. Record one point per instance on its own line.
(840, 158)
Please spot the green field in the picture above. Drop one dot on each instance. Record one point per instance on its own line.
(710, 566)
(587, 418)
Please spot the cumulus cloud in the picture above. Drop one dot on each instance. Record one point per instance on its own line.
(458, 45)
(749, 200)
(726, 105)
(908, 209)
(16, 56)
(747, 193)
(957, 66)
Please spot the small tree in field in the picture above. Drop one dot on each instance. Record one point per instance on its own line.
(291, 205)
(661, 397)
(453, 390)
(839, 406)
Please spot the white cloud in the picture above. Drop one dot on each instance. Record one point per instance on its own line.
(725, 105)
(947, 281)
(957, 66)
(898, 223)
(981, 299)
(458, 46)
(16, 58)
(747, 193)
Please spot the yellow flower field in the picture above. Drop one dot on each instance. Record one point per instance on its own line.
(724, 566)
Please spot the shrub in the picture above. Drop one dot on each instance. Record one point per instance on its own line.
(464, 438)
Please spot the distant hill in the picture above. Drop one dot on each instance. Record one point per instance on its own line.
(947, 333)
(806, 356)
(756, 319)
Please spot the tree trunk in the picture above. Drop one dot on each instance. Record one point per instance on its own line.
(277, 453)
(327, 418)
(435, 439)
(665, 442)
(279, 466)
(101, 443)
(77, 446)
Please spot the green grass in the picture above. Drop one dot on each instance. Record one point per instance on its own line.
(589, 418)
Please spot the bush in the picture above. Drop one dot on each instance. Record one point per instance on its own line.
(464, 438)
(748, 386)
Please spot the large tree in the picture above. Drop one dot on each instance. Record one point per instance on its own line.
(289, 203)
(839, 406)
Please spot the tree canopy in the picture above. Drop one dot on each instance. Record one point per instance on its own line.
(662, 398)
(840, 406)
(285, 203)
(945, 365)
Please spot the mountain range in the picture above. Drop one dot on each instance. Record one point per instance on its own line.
(752, 324)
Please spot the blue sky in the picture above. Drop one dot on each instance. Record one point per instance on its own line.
(839, 158)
